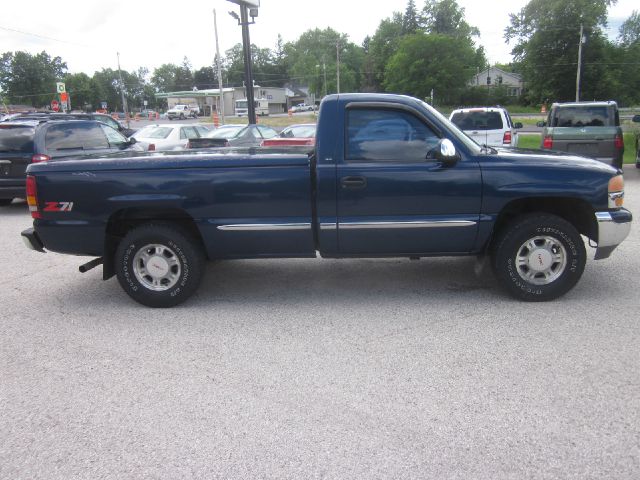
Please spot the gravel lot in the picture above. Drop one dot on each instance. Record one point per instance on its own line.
(318, 369)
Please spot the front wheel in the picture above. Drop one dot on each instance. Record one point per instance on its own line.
(538, 257)
(159, 265)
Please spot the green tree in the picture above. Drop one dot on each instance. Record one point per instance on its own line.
(383, 45)
(164, 78)
(317, 49)
(204, 78)
(547, 52)
(411, 19)
(446, 17)
(30, 79)
(80, 90)
(630, 30)
(425, 62)
(184, 76)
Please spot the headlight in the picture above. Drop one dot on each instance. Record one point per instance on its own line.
(616, 192)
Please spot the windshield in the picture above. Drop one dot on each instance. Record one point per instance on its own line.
(241, 104)
(226, 132)
(455, 131)
(16, 138)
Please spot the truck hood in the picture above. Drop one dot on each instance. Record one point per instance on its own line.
(550, 159)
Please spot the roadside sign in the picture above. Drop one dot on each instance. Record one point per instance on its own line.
(64, 96)
(103, 105)
(146, 103)
(60, 87)
(55, 106)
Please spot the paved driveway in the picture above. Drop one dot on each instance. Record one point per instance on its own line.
(318, 369)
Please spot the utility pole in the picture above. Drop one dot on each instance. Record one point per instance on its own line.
(579, 63)
(324, 68)
(124, 100)
(338, 65)
(221, 103)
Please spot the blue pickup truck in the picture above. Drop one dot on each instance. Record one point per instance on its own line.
(389, 177)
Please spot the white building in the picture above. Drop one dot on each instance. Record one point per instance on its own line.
(494, 77)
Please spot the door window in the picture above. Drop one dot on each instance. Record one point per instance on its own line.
(188, 132)
(387, 136)
(115, 139)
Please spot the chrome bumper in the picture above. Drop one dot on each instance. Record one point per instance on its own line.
(613, 228)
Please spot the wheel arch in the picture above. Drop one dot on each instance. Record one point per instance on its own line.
(576, 211)
(124, 220)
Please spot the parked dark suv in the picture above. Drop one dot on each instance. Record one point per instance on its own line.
(591, 129)
(100, 117)
(25, 142)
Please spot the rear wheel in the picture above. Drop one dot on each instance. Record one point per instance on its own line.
(538, 257)
(159, 265)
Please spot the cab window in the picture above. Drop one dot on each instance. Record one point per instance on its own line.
(388, 136)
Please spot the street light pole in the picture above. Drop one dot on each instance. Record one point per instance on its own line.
(221, 99)
(248, 76)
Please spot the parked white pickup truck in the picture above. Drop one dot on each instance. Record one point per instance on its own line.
(182, 111)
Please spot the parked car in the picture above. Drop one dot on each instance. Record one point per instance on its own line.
(591, 129)
(181, 112)
(301, 134)
(168, 137)
(232, 136)
(100, 117)
(302, 107)
(490, 126)
(25, 142)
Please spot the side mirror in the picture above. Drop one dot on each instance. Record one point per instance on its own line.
(636, 119)
(541, 124)
(445, 152)
(517, 125)
(132, 141)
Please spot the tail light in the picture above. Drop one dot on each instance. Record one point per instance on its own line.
(152, 147)
(32, 197)
(619, 142)
(506, 140)
(39, 157)
(547, 142)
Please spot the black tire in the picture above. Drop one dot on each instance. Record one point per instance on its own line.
(182, 116)
(5, 201)
(538, 257)
(179, 267)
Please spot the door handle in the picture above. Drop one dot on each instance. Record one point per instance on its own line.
(353, 182)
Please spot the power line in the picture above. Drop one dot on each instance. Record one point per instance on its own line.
(42, 36)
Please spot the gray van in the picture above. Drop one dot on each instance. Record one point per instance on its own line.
(591, 129)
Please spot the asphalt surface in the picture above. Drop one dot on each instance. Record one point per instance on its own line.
(318, 369)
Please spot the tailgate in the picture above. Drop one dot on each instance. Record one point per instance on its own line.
(597, 142)
(486, 137)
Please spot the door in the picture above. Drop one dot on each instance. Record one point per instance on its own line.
(393, 197)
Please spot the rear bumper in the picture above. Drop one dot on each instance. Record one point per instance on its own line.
(613, 228)
(32, 241)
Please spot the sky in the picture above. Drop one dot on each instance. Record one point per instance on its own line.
(89, 35)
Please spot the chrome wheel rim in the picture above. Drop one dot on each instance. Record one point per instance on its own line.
(157, 267)
(541, 260)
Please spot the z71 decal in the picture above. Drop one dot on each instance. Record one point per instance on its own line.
(58, 207)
